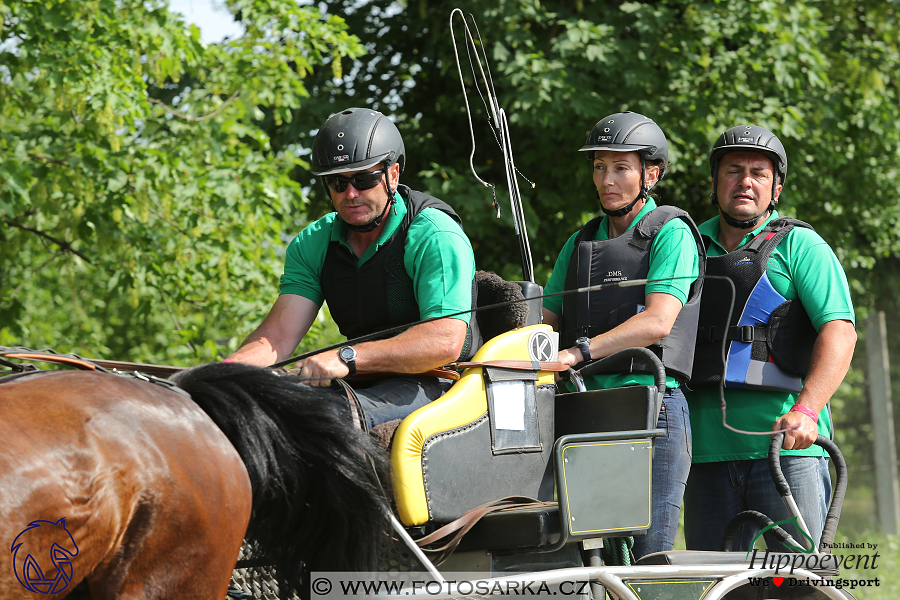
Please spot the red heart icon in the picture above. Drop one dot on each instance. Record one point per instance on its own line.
(777, 581)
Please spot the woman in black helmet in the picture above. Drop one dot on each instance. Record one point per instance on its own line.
(634, 239)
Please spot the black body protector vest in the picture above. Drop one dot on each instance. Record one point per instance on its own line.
(622, 259)
(380, 294)
(769, 341)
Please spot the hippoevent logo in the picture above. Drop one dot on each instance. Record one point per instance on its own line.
(43, 543)
(787, 563)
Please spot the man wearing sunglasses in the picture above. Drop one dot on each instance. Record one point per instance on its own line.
(387, 257)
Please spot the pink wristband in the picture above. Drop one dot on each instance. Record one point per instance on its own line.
(806, 411)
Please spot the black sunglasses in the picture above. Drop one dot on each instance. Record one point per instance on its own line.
(361, 181)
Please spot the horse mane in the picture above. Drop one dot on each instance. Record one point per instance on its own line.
(319, 484)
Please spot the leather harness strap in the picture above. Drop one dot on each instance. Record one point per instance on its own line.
(51, 358)
(131, 366)
(521, 365)
(356, 409)
(88, 364)
(466, 522)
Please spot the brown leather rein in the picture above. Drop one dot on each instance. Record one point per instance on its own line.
(92, 364)
(89, 364)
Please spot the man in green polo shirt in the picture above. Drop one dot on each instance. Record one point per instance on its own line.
(387, 257)
(788, 347)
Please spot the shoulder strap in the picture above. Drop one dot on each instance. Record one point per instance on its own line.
(417, 201)
(772, 234)
(588, 231)
(650, 224)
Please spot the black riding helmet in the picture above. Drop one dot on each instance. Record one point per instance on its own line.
(748, 138)
(630, 132)
(354, 140)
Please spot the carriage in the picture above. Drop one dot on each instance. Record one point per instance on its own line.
(520, 488)
(584, 458)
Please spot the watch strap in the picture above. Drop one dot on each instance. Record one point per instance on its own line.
(584, 345)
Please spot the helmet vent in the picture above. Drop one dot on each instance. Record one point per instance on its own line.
(606, 130)
(340, 146)
(341, 134)
(611, 121)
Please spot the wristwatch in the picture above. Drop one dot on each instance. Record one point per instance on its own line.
(584, 344)
(347, 354)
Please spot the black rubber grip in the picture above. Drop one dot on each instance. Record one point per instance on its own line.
(754, 517)
(659, 374)
(840, 486)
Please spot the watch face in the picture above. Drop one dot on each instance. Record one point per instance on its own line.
(347, 353)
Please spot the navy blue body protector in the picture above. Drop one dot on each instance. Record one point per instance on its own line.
(622, 259)
(769, 341)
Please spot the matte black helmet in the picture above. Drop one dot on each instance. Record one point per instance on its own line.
(630, 132)
(748, 138)
(356, 139)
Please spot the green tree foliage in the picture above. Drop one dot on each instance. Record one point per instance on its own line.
(821, 74)
(141, 200)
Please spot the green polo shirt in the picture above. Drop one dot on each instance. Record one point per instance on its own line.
(801, 266)
(438, 257)
(672, 254)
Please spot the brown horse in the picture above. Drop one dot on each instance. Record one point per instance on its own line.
(142, 493)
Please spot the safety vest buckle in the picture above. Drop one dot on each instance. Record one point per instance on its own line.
(747, 333)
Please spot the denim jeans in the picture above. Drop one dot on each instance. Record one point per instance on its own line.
(718, 491)
(397, 397)
(671, 464)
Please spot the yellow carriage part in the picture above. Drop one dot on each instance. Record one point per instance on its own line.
(461, 410)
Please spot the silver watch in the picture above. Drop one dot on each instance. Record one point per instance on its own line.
(347, 354)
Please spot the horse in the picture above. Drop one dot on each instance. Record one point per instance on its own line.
(159, 487)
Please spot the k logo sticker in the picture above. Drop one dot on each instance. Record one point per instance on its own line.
(542, 346)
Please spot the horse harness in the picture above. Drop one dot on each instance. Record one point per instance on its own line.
(72, 360)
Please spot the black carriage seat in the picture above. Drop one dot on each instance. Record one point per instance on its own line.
(610, 430)
(827, 565)
(450, 456)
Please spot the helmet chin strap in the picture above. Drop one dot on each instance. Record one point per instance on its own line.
(645, 192)
(374, 222)
(371, 225)
(625, 209)
(749, 223)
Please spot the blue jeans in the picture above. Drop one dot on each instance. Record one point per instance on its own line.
(397, 397)
(718, 491)
(671, 465)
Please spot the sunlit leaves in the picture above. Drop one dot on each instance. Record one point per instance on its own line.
(141, 202)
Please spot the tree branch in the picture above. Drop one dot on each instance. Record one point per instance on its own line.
(64, 246)
(55, 161)
(171, 110)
